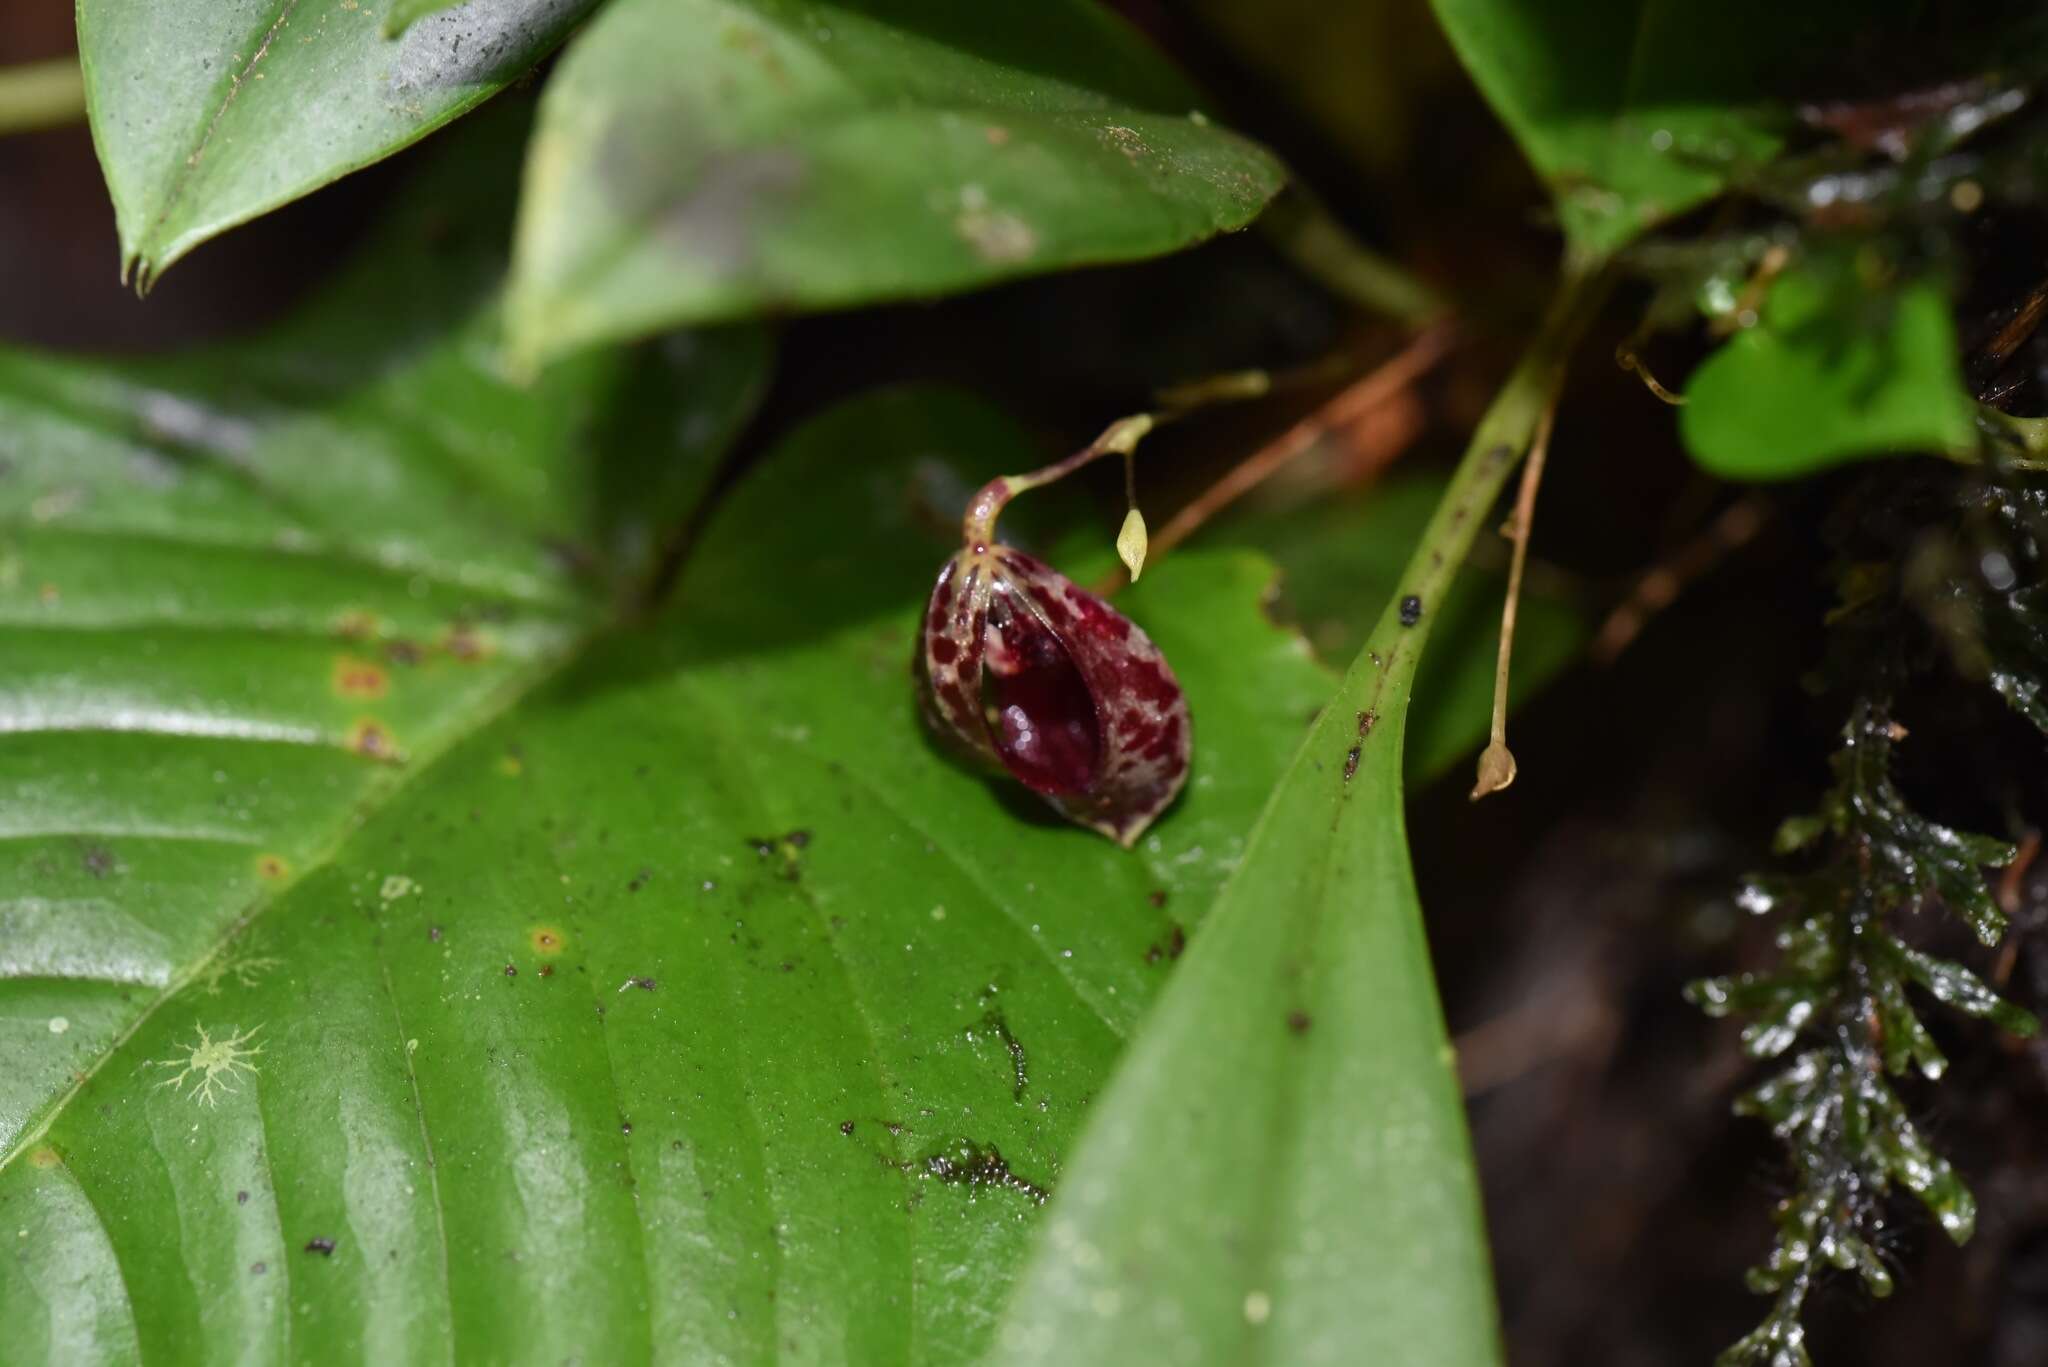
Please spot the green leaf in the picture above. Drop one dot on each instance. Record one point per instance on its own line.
(1635, 110)
(210, 112)
(1279, 1171)
(1835, 371)
(705, 159)
(1335, 553)
(640, 990)
(402, 14)
(1953, 985)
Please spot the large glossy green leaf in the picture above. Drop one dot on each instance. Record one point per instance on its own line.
(255, 587)
(210, 112)
(399, 962)
(1635, 110)
(702, 159)
(1836, 370)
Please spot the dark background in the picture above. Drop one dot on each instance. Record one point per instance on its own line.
(1565, 915)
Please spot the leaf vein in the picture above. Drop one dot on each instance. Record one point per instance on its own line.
(519, 686)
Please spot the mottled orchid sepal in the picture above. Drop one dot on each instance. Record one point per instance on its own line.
(1034, 675)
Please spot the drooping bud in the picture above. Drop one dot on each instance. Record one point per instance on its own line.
(1032, 674)
(1130, 543)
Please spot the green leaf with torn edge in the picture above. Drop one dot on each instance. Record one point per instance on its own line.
(207, 113)
(698, 160)
(1836, 370)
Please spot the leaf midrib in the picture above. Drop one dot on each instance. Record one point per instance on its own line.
(175, 191)
(412, 1082)
(1287, 1118)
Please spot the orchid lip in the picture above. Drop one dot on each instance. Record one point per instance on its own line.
(1043, 718)
(1029, 673)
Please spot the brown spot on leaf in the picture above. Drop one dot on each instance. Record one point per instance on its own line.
(1176, 941)
(966, 1163)
(1020, 1065)
(97, 860)
(546, 939)
(465, 643)
(373, 740)
(272, 867)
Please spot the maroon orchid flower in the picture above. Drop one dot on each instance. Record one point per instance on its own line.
(1032, 674)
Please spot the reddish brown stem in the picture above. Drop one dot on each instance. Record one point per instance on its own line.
(1344, 408)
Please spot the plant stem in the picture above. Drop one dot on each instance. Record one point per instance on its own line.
(1503, 436)
(1497, 762)
(1119, 438)
(1302, 228)
(41, 95)
(1347, 406)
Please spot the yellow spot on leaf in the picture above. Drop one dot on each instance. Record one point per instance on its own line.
(272, 867)
(355, 625)
(43, 1156)
(360, 679)
(547, 939)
